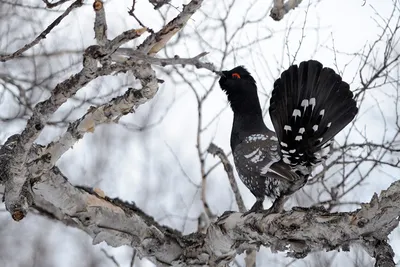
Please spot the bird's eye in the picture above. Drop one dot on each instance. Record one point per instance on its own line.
(235, 75)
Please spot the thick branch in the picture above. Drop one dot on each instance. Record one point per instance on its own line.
(382, 252)
(297, 232)
(16, 200)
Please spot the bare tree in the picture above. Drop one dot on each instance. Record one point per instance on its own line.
(57, 86)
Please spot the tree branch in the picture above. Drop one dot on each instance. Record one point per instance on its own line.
(297, 232)
(17, 192)
(382, 252)
(217, 151)
(100, 23)
(43, 35)
(280, 9)
(51, 5)
(135, 56)
(155, 42)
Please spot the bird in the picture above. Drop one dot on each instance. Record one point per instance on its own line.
(309, 105)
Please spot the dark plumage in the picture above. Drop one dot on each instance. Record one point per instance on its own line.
(309, 106)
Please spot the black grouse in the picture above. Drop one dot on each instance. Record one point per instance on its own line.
(309, 106)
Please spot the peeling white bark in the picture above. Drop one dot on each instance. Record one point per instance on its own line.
(296, 232)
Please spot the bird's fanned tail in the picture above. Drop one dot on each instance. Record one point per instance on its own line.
(309, 106)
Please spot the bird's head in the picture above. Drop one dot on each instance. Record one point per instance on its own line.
(236, 80)
(241, 89)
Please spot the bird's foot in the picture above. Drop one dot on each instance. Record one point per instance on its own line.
(258, 206)
(271, 210)
(277, 206)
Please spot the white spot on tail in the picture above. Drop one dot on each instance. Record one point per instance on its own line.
(284, 152)
(283, 144)
(298, 138)
(322, 112)
(312, 102)
(329, 125)
(292, 151)
(304, 103)
(273, 138)
(251, 154)
(302, 130)
(315, 128)
(296, 112)
(287, 128)
(286, 160)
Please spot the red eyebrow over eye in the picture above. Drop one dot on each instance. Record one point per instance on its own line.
(235, 75)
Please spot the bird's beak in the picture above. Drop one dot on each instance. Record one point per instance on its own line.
(220, 73)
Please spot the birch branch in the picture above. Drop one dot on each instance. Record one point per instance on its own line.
(157, 41)
(382, 252)
(122, 55)
(100, 23)
(297, 232)
(17, 188)
(280, 9)
(109, 112)
(17, 201)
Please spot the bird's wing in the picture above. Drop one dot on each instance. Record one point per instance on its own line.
(258, 153)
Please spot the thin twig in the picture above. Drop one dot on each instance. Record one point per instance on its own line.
(131, 13)
(51, 5)
(217, 151)
(43, 35)
(112, 258)
(133, 258)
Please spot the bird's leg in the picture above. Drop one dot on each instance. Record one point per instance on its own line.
(277, 206)
(256, 207)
